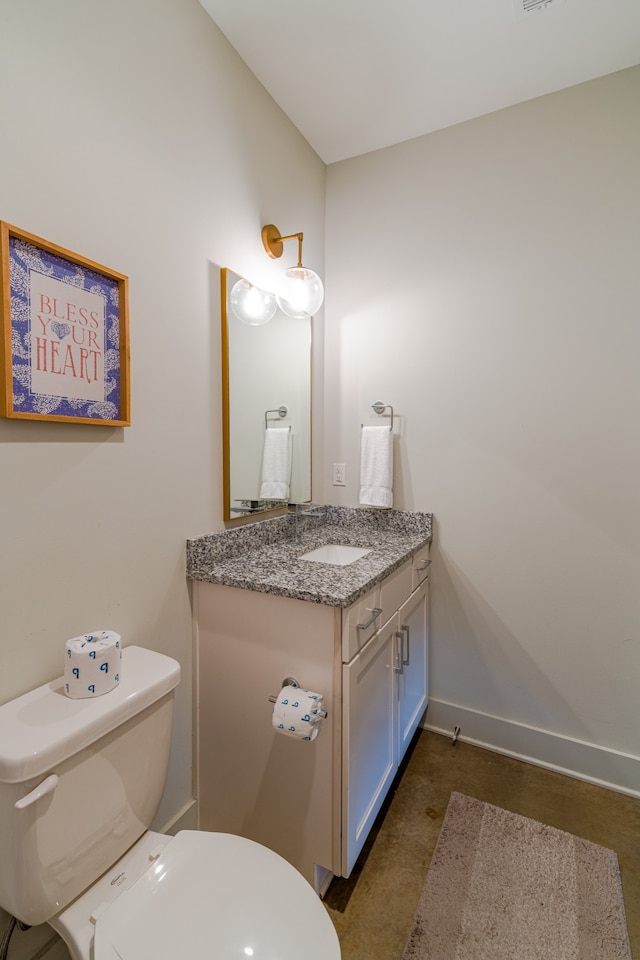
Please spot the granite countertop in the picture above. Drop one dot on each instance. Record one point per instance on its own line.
(264, 556)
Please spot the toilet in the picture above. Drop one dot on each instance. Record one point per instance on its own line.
(80, 783)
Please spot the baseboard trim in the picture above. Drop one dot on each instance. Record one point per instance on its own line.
(323, 878)
(567, 755)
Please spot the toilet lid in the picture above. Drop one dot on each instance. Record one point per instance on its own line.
(220, 896)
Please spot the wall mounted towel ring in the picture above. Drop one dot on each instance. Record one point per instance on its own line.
(281, 411)
(379, 407)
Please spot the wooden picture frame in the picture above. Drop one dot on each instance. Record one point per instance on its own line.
(64, 334)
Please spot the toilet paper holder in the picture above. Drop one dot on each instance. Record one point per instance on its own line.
(292, 682)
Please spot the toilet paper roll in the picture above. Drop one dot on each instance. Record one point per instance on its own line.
(298, 713)
(92, 664)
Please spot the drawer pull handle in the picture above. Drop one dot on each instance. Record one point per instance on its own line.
(375, 613)
(422, 565)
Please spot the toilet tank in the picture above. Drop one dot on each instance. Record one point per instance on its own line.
(80, 781)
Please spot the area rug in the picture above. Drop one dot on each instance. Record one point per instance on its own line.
(504, 887)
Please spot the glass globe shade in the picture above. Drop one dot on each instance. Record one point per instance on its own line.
(300, 292)
(251, 304)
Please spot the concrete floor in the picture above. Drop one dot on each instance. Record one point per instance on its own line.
(373, 909)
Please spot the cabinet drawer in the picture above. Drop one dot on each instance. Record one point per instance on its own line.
(395, 590)
(359, 623)
(420, 564)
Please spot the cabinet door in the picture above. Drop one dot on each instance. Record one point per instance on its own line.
(413, 676)
(369, 753)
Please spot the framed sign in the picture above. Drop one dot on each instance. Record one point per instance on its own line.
(64, 336)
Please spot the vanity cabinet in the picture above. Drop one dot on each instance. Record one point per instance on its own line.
(385, 694)
(312, 802)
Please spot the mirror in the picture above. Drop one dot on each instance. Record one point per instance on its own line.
(266, 385)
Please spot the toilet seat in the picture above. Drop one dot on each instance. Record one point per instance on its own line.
(218, 895)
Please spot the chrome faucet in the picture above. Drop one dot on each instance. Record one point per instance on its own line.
(303, 512)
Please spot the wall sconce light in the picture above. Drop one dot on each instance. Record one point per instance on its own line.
(251, 304)
(300, 292)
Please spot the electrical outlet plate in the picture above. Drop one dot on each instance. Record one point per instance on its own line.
(339, 475)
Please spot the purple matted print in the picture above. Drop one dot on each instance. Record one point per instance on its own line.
(65, 335)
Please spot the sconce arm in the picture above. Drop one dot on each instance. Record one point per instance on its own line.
(273, 241)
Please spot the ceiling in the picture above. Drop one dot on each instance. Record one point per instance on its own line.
(357, 75)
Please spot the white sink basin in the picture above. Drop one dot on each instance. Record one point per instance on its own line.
(339, 554)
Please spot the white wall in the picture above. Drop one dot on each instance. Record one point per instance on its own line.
(484, 280)
(133, 135)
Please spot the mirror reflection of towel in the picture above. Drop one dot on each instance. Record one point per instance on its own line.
(376, 467)
(276, 464)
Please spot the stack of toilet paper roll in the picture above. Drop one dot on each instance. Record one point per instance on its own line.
(298, 713)
(92, 664)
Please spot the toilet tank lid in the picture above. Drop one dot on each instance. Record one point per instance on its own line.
(45, 727)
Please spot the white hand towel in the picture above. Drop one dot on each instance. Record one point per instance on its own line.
(376, 467)
(276, 464)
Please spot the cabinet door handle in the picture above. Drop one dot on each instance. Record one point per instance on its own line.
(397, 653)
(375, 613)
(422, 565)
(405, 633)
